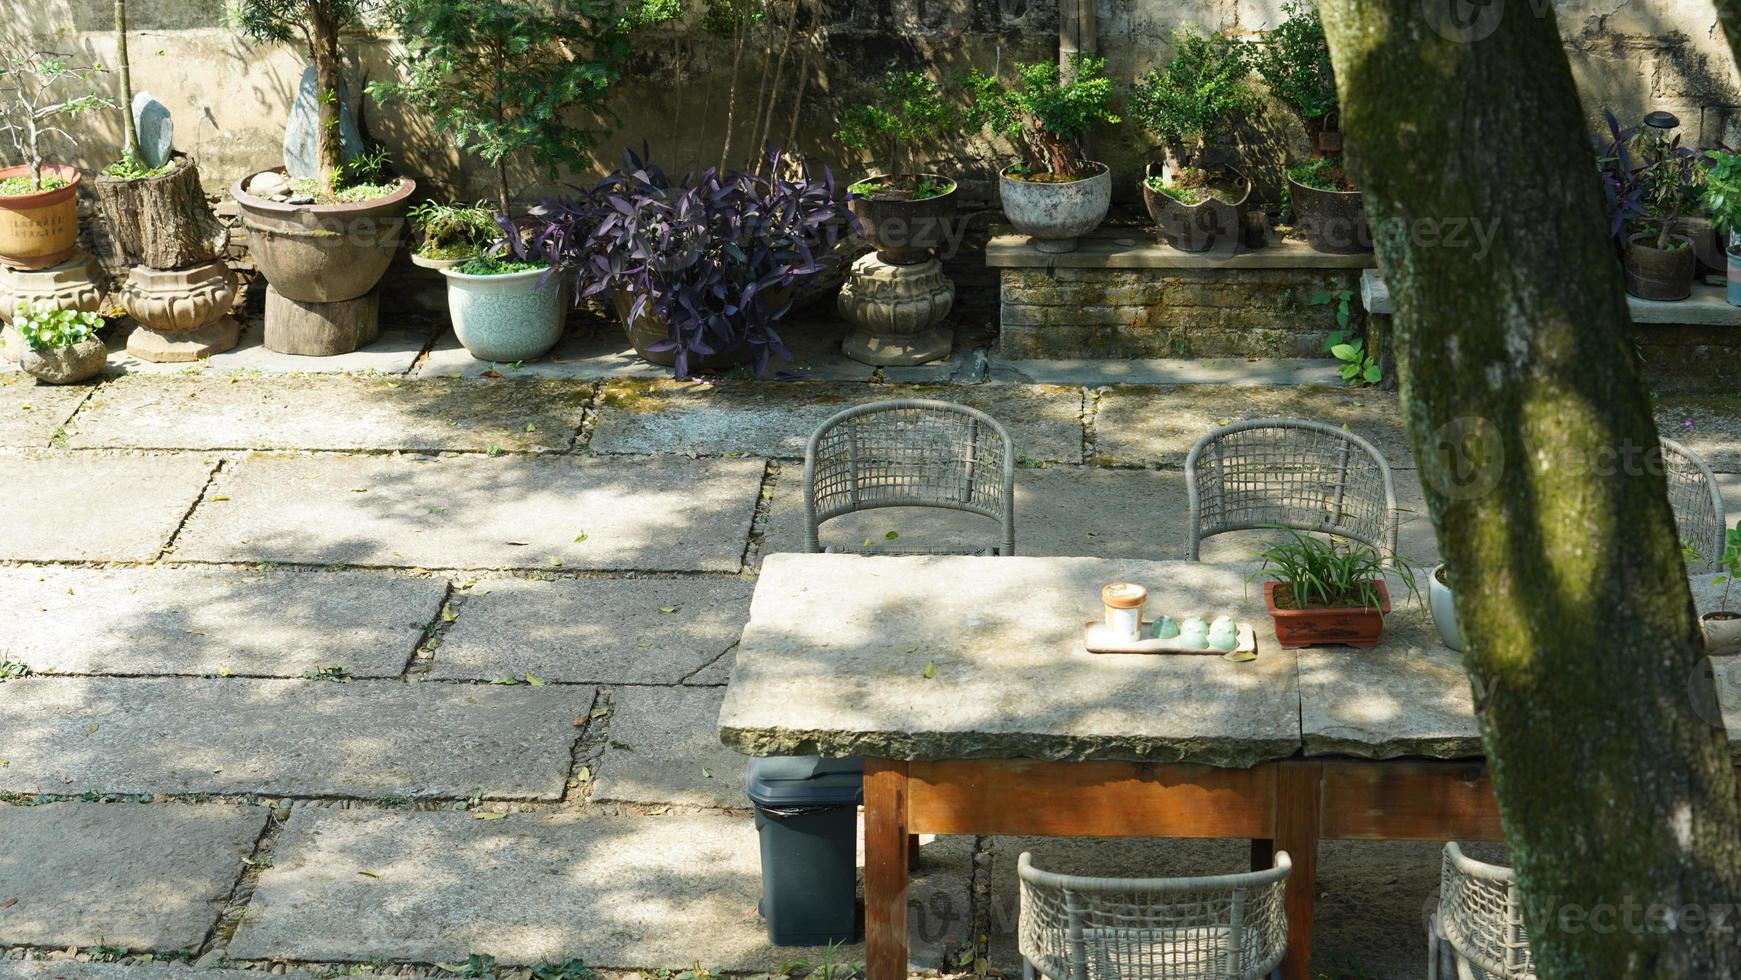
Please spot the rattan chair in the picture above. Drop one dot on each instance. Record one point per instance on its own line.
(911, 453)
(1478, 929)
(1292, 473)
(1698, 505)
(1223, 927)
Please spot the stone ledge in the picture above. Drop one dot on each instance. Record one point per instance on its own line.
(1134, 248)
(1707, 306)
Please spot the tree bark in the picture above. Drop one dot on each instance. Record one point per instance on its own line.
(124, 73)
(161, 222)
(1534, 437)
(321, 329)
(324, 50)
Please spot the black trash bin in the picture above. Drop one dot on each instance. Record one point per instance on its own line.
(807, 816)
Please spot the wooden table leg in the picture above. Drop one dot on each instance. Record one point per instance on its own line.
(1298, 796)
(1263, 854)
(885, 869)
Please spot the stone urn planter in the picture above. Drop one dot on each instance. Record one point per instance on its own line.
(66, 365)
(1442, 601)
(1722, 632)
(1333, 222)
(1305, 627)
(896, 310)
(515, 316)
(321, 253)
(1054, 214)
(40, 229)
(1659, 273)
(183, 314)
(75, 284)
(903, 230)
(1198, 227)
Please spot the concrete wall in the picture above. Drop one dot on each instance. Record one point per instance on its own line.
(230, 98)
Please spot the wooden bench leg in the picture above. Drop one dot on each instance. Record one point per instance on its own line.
(885, 869)
(1298, 797)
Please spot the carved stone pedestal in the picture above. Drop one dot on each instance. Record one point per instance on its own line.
(183, 314)
(896, 309)
(75, 284)
(321, 329)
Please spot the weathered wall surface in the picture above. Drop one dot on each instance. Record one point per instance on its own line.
(230, 99)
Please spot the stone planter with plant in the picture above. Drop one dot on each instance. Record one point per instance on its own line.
(904, 210)
(1650, 180)
(61, 346)
(1056, 194)
(1322, 592)
(1722, 627)
(1195, 194)
(39, 211)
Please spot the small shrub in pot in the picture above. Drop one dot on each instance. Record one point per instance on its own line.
(39, 216)
(1722, 627)
(1649, 180)
(902, 208)
(1322, 592)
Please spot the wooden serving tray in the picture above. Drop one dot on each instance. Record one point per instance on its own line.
(1094, 636)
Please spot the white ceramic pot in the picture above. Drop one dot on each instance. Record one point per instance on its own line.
(517, 316)
(1054, 215)
(1722, 636)
(1441, 600)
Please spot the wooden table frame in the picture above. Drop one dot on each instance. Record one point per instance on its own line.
(1289, 805)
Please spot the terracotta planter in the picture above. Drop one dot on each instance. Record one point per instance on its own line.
(1054, 215)
(1442, 601)
(41, 229)
(1201, 226)
(517, 316)
(1333, 222)
(1722, 632)
(323, 253)
(66, 365)
(1659, 273)
(905, 231)
(1355, 627)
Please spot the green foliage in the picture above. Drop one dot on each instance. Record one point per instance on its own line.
(495, 265)
(1325, 573)
(1194, 185)
(1046, 116)
(570, 969)
(13, 186)
(289, 21)
(1720, 195)
(1322, 173)
(915, 190)
(1294, 60)
(48, 329)
(909, 113)
(130, 168)
(33, 98)
(1730, 563)
(13, 669)
(454, 231)
(1358, 367)
(509, 77)
(477, 966)
(1201, 90)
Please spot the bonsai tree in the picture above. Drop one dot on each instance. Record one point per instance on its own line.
(30, 105)
(1199, 92)
(318, 25)
(453, 231)
(909, 114)
(1294, 60)
(1046, 116)
(509, 77)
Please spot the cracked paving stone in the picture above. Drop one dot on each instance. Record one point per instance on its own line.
(664, 748)
(1158, 426)
(95, 507)
(31, 414)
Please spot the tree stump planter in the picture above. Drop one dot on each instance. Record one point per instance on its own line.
(75, 284)
(322, 253)
(40, 230)
(320, 329)
(161, 222)
(183, 314)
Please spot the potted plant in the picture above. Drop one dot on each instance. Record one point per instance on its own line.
(506, 81)
(39, 210)
(1442, 601)
(904, 211)
(1720, 196)
(699, 271)
(1722, 628)
(1649, 181)
(1188, 105)
(326, 236)
(1321, 592)
(450, 234)
(1055, 194)
(1294, 61)
(61, 346)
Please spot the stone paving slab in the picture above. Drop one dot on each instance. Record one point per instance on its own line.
(1714, 432)
(95, 507)
(607, 631)
(665, 748)
(31, 413)
(1407, 697)
(394, 352)
(69, 969)
(122, 874)
(1238, 372)
(292, 738)
(1150, 426)
(332, 412)
(620, 892)
(775, 419)
(186, 620)
(664, 514)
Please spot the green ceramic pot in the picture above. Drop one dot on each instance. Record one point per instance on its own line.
(517, 316)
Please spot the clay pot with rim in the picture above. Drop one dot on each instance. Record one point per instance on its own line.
(66, 365)
(1663, 274)
(1053, 214)
(1355, 626)
(422, 261)
(515, 316)
(323, 253)
(1722, 632)
(903, 230)
(1201, 226)
(1333, 222)
(40, 229)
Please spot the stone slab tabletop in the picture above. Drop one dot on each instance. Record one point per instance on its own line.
(1136, 248)
(838, 648)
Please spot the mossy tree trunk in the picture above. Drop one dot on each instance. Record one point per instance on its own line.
(1534, 437)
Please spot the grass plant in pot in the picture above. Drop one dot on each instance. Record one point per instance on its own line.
(1190, 104)
(1055, 194)
(699, 271)
(1649, 181)
(61, 347)
(39, 210)
(450, 234)
(1320, 592)
(1294, 62)
(1720, 197)
(1722, 627)
(902, 209)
